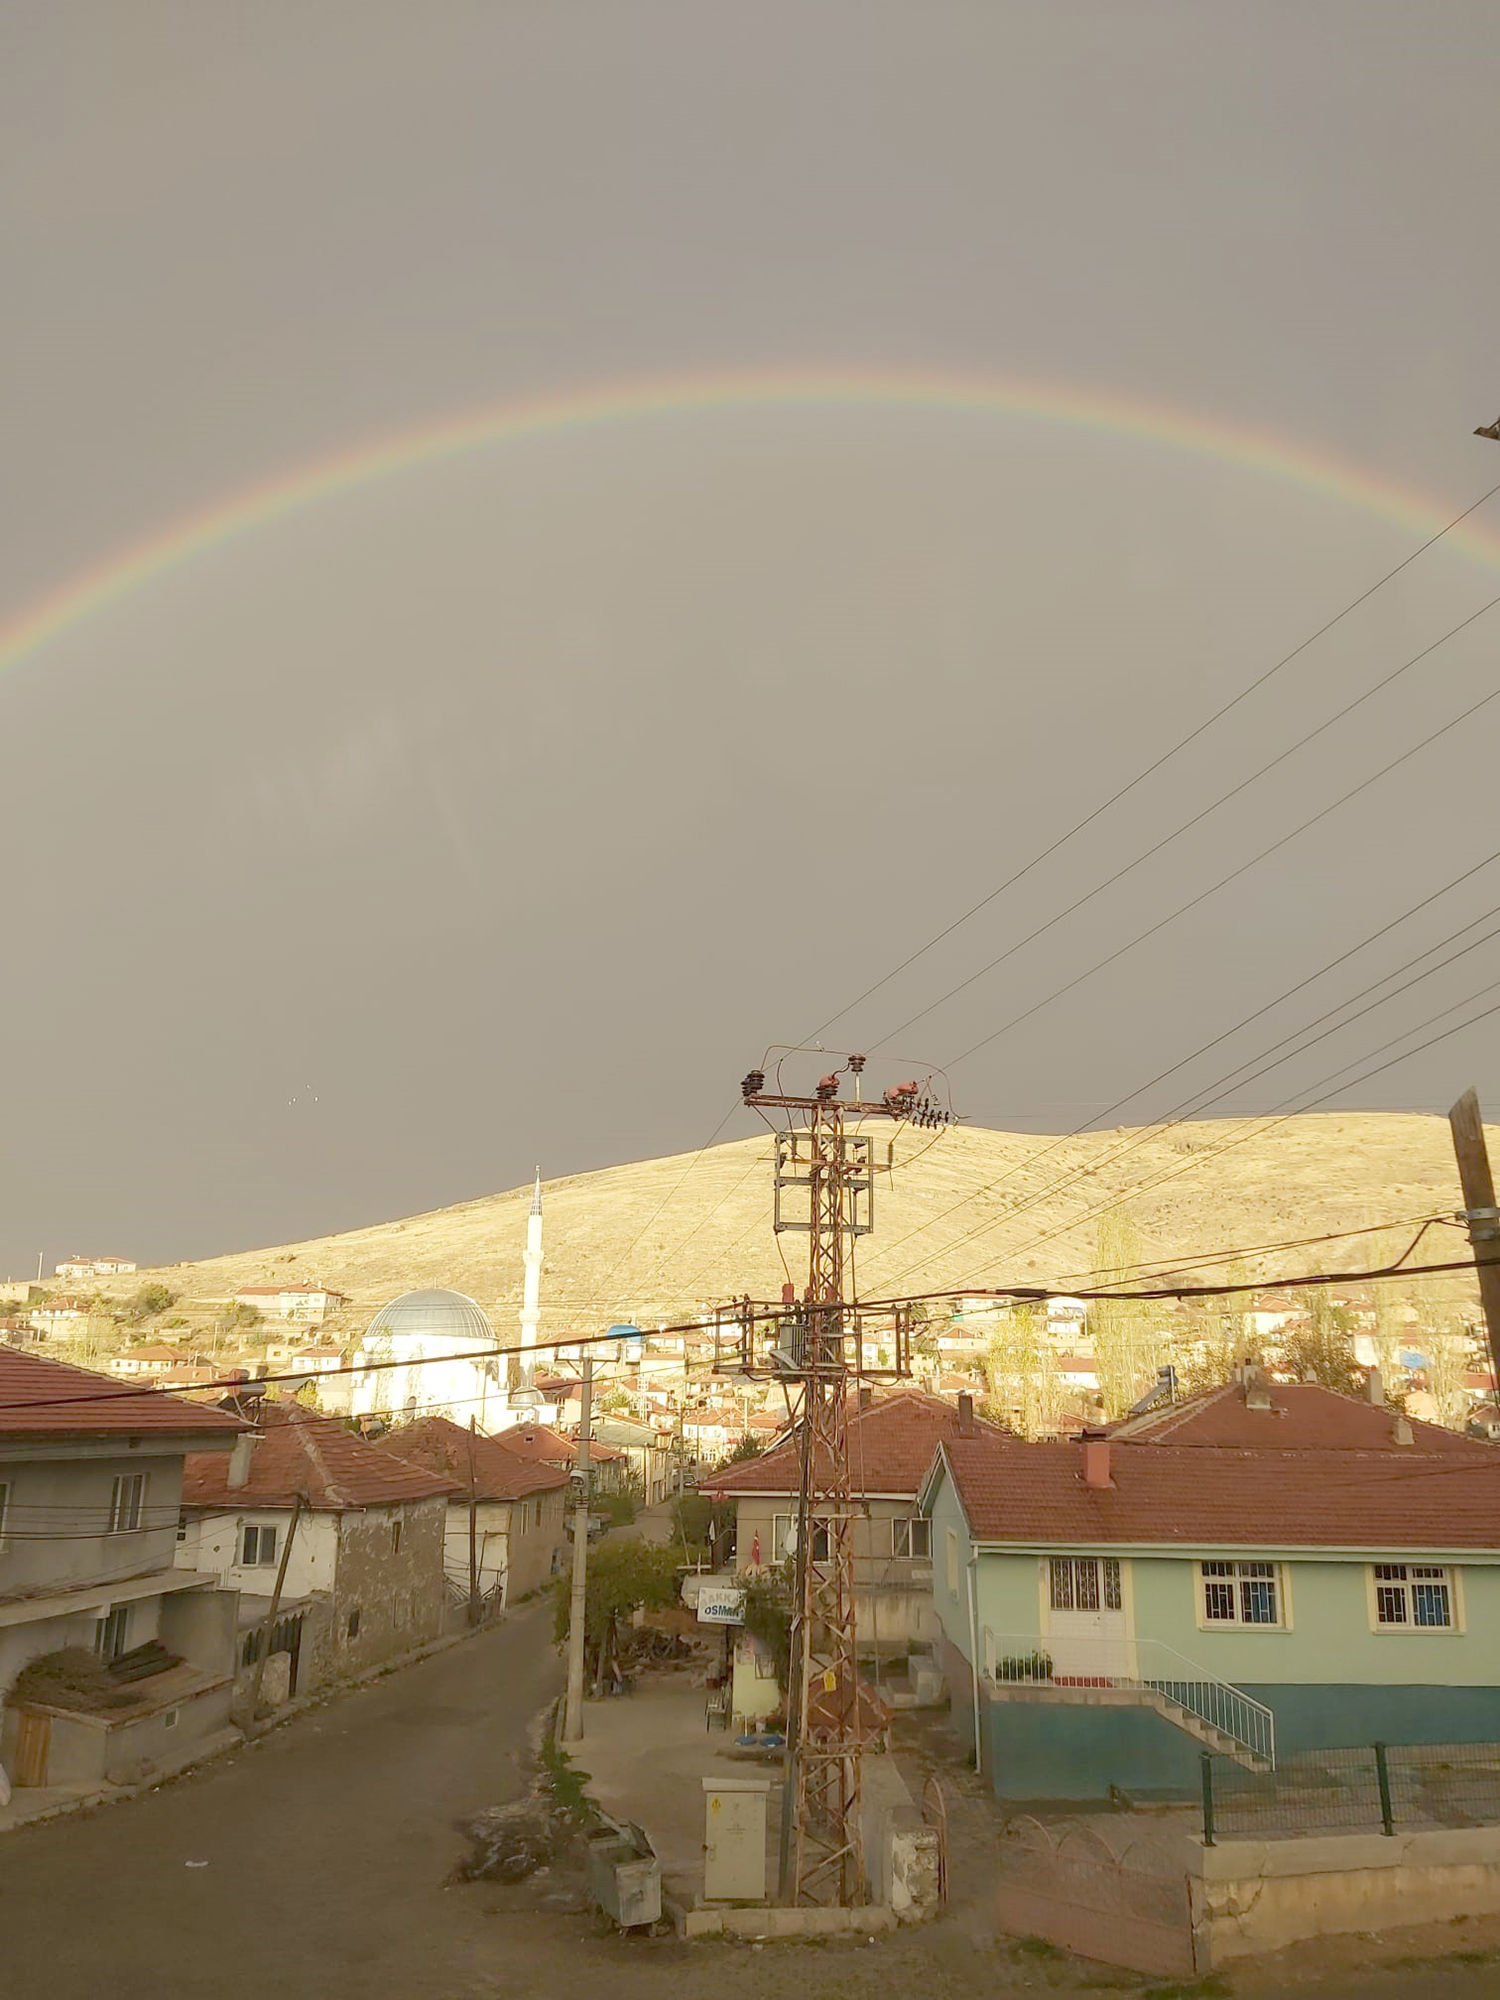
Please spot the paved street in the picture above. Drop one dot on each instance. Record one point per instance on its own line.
(328, 1845)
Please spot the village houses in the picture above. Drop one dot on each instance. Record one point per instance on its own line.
(1263, 1568)
(312, 1302)
(90, 1490)
(362, 1533)
(518, 1509)
(94, 1267)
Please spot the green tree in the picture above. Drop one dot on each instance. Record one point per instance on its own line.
(747, 1447)
(622, 1576)
(1021, 1373)
(239, 1316)
(146, 1303)
(1320, 1347)
(1123, 1331)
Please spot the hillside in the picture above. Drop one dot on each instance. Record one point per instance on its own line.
(657, 1238)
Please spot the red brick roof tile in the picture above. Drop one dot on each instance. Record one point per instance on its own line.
(1302, 1416)
(1203, 1496)
(441, 1446)
(891, 1443)
(299, 1452)
(41, 1398)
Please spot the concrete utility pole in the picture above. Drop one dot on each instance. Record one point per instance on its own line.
(473, 1534)
(1480, 1213)
(573, 1722)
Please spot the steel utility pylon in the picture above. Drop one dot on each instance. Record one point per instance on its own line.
(825, 1185)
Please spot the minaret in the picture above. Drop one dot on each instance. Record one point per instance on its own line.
(531, 1296)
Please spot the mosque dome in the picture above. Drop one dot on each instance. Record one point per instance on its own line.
(451, 1315)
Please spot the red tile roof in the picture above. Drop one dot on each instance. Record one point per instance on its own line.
(1302, 1416)
(1198, 1496)
(535, 1441)
(891, 1444)
(499, 1473)
(298, 1452)
(40, 1398)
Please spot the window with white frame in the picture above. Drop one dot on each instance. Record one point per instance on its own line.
(126, 1502)
(258, 1547)
(952, 1554)
(1419, 1595)
(4, 1509)
(912, 1538)
(1241, 1593)
(784, 1539)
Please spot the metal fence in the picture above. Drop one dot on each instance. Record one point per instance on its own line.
(1374, 1788)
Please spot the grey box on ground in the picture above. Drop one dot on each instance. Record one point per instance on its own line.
(625, 1876)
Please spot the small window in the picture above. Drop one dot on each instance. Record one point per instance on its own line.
(125, 1503)
(351, 1630)
(912, 1538)
(259, 1549)
(169, 1720)
(4, 1508)
(396, 1536)
(182, 1527)
(112, 1633)
(953, 1562)
(1418, 1595)
(1241, 1593)
(538, 1513)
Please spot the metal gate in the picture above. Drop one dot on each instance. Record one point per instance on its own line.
(1068, 1885)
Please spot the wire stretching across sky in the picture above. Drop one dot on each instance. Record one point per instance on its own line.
(1150, 771)
(1179, 1114)
(1277, 1000)
(1186, 827)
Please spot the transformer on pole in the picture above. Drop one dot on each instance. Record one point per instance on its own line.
(825, 1188)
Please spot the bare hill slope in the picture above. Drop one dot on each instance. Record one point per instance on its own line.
(654, 1239)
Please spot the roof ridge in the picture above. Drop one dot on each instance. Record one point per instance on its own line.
(312, 1451)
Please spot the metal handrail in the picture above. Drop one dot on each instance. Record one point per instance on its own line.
(1025, 1659)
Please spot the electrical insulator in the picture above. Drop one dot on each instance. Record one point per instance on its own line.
(753, 1084)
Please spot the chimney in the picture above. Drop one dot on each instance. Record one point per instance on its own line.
(965, 1415)
(1095, 1457)
(1375, 1386)
(1402, 1431)
(865, 1395)
(239, 1459)
(1257, 1389)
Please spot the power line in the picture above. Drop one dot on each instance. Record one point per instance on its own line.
(1214, 887)
(1151, 769)
(1229, 1145)
(1198, 1097)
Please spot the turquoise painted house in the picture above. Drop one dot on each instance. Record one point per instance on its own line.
(1262, 1569)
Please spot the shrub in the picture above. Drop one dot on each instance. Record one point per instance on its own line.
(1024, 1667)
(146, 1304)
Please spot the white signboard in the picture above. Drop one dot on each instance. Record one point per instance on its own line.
(721, 1606)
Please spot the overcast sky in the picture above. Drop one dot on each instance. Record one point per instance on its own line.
(504, 810)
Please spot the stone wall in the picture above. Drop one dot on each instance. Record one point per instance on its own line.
(1259, 1896)
(388, 1587)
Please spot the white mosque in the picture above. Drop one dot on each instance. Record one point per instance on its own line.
(448, 1361)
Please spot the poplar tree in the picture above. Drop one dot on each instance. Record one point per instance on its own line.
(1021, 1373)
(1121, 1331)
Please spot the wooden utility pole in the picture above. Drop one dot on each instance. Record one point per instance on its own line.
(1480, 1213)
(473, 1534)
(270, 1620)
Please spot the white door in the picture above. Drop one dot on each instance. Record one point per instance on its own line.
(1086, 1620)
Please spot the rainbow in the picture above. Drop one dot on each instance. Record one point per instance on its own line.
(108, 582)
